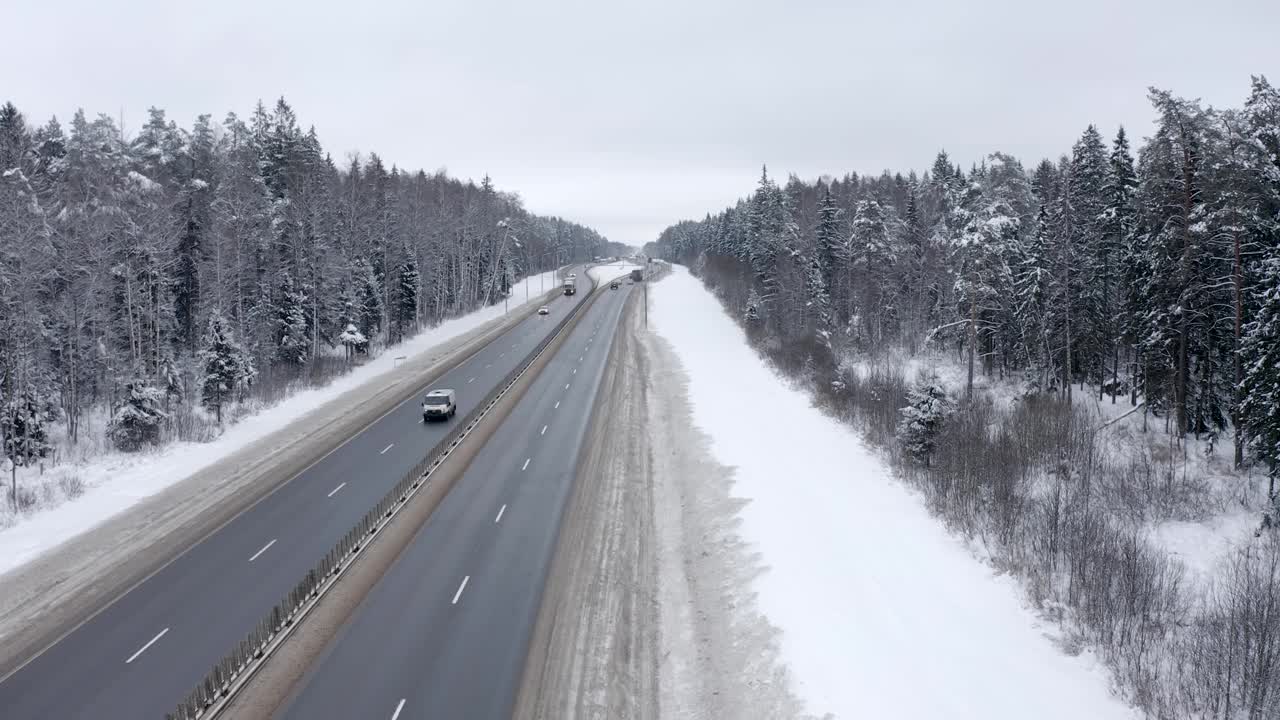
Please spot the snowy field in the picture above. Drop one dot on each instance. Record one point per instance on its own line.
(116, 481)
(608, 271)
(882, 613)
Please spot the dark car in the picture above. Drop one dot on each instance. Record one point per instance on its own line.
(613, 285)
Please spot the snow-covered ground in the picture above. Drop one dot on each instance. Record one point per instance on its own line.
(608, 271)
(1229, 502)
(115, 481)
(881, 613)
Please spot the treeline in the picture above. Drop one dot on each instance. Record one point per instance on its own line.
(178, 268)
(1155, 280)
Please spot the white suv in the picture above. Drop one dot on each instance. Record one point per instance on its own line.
(438, 405)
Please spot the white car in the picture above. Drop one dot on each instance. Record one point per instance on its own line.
(439, 405)
(544, 310)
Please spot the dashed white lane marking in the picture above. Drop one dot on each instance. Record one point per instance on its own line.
(500, 511)
(399, 707)
(502, 354)
(471, 381)
(488, 365)
(557, 404)
(264, 549)
(575, 371)
(335, 490)
(566, 386)
(144, 647)
(526, 464)
(544, 430)
(461, 587)
(385, 449)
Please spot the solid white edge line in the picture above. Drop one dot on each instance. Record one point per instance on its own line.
(399, 707)
(500, 511)
(385, 449)
(144, 647)
(544, 430)
(264, 549)
(526, 464)
(461, 587)
(335, 490)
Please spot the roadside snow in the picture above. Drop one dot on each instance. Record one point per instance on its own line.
(882, 613)
(116, 481)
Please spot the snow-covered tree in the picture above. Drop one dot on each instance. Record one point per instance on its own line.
(137, 423)
(227, 367)
(292, 337)
(922, 420)
(353, 341)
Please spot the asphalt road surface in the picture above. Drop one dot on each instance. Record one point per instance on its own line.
(145, 652)
(445, 632)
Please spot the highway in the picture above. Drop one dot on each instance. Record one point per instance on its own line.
(445, 632)
(145, 651)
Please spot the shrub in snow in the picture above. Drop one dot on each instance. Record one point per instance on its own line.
(137, 422)
(922, 419)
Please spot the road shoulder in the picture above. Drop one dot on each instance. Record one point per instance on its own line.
(647, 611)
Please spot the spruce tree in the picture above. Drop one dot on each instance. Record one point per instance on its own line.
(226, 365)
(292, 337)
(922, 420)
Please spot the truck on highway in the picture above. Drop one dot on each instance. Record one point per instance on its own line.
(637, 275)
(570, 286)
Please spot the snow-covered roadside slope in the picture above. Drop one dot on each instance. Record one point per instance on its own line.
(882, 613)
(117, 481)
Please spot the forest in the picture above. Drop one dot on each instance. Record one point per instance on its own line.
(149, 279)
(1115, 279)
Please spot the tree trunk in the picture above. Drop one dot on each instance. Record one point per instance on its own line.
(973, 339)
(1238, 278)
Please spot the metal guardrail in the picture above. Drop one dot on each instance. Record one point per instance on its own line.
(234, 670)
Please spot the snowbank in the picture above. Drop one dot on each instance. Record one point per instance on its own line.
(116, 481)
(882, 613)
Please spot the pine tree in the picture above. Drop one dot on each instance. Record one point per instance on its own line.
(353, 341)
(292, 336)
(1260, 387)
(829, 238)
(407, 287)
(226, 365)
(138, 421)
(922, 420)
(1120, 259)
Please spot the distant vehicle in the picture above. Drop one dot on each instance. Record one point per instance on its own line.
(613, 285)
(570, 286)
(637, 275)
(573, 275)
(438, 405)
(544, 310)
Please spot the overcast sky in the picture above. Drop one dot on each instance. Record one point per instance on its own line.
(630, 116)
